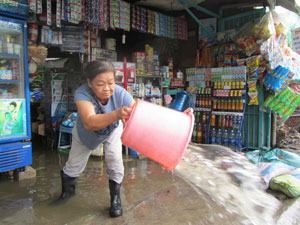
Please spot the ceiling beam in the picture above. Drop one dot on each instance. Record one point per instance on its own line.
(191, 3)
(205, 28)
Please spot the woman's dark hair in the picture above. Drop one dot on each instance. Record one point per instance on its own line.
(14, 104)
(92, 69)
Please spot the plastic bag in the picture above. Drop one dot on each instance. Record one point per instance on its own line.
(284, 104)
(287, 184)
(276, 154)
(252, 33)
(274, 169)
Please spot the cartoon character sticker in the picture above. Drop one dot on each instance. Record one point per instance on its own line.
(12, 118)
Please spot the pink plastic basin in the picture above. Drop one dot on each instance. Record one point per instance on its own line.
(159, 133)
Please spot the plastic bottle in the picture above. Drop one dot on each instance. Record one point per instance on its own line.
(219, 137)
(213, 136)
(225, 138)
(238, 140)
(232, 139)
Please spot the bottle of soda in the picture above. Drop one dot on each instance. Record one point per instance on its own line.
(213, 136)
(199, 135)
(225, 138)
(219, 137)
(232, 139)
(194, 138)
(238, 140)
(213, 120)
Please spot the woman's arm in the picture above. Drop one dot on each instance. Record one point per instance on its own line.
(93, 122)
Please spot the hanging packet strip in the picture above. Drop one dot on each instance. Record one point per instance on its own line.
(32, 5)
(39, 7)
(49, 12)
(284, 104)
(58, 13)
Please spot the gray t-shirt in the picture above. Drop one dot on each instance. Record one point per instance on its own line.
(120, 98)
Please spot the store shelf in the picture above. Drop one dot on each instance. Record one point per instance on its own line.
(9, 81)
(9, 56)
(227, 113)
(202, 109)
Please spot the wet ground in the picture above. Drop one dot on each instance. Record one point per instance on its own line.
(193, 194)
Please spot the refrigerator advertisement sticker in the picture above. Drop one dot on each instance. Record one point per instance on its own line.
(12, 121)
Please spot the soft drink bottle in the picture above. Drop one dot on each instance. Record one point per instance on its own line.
(232, 139)
(238, 140)
(219, 137)
(213, 136)
(225, 138)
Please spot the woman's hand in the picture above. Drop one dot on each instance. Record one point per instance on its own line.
(123, 113)
(189, 111)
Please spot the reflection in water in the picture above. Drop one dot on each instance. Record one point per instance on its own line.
(206, 188)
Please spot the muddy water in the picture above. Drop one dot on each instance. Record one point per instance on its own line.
(190, 195)
(233, 182)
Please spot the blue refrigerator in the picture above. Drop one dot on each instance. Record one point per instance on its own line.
(15, 132)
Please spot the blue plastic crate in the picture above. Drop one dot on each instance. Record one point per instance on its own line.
(15, 155)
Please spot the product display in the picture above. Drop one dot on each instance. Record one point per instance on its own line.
(148, 21)
(284, 104)
(72, 39)
(124, 16)
(276, 80)
(96, 13)
(200, 85)
(139, 60)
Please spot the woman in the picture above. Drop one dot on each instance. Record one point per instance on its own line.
(101, 104)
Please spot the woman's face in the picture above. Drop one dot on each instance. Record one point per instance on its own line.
(103, 85)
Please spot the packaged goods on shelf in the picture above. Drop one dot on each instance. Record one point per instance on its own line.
(156, 65)
(150, 21)
(182, 28)
(139, 60)
(157, 29)
(114, 6)
(96, 13)
(72, 39)
(50, 37)
(103, 54)
(124, 15)
(198, 77)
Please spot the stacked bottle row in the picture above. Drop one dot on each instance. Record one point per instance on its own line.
(201, 131)
(231, 105)
(233, 85)
(228, 137)
(229, 88)
(203, 98)
(226, 121)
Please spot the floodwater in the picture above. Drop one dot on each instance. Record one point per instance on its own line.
(208, 187)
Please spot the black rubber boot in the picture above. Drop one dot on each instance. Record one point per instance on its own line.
(115, 199)
(67, 189)
(67, 186)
